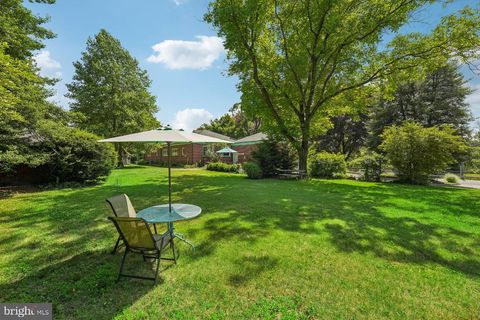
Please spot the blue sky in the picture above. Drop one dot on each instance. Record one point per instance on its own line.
(181, 53)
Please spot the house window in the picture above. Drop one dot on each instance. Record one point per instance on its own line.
(164, 152)
(174, 152)
(226, 155)
(205, 150)
(183, 152)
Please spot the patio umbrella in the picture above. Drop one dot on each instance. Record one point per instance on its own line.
(168, 136)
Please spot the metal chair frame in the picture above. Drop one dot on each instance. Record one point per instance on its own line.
(118, 244)
(152, 253)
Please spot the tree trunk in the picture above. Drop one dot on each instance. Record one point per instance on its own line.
(119, 155)
(303, 156)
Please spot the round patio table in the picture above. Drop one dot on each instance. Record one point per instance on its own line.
(161, 214)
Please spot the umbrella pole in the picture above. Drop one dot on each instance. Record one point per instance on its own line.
(169, 177)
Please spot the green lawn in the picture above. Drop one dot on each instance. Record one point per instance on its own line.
(266, 249)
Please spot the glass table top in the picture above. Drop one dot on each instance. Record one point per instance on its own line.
(160, 214)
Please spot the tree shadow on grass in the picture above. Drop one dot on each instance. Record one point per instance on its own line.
(392, 222)
(84, 287)
(358, 218)
(251, 267)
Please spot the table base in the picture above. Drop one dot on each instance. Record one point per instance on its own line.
(182, 238)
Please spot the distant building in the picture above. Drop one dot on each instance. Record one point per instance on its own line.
(181, 154)
(191, 153)
(247, 145)
(212, 134)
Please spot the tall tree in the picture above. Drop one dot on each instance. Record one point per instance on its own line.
(21, 29)
(439, 99)
(23, 92)
(235, 124)
(110, 91)
(296, 60)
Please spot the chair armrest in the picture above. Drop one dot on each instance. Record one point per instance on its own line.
(162, 240)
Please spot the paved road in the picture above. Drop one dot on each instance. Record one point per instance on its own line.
(472, 184)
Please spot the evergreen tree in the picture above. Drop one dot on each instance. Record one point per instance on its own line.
(439, 99)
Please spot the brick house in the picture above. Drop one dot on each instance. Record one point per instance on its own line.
(189, 153)
(247, 145)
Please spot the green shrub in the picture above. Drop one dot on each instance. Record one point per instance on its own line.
(252, 170)
(370, 166)
(451, 178)
(327, 165)
(74, 154)
(472, 164)
(417, 152)
(143, 162)
(223, 167)
(272, 155)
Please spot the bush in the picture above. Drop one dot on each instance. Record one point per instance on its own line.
(417, 152)
(143, 162)
(223, 167)
(74, 154)
(451, 178)
(272, 155)
(252, 170)
(327, 165)
(472, 164)
(370, 165)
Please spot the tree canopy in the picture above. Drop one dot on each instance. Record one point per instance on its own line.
(110, 91)
(23, 92)
(33, 131)
(235, 124)
(347, 135)
(21, 29)
(301, 62)
(439, 99)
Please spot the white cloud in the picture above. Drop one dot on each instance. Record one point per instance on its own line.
(180, 54)
(474, 100)
(45, 61)
(190, 119)
(49, 67)
(179, 2)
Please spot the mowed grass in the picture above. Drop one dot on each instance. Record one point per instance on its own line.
(266, 249)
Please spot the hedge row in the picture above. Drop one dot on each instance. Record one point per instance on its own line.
(223, 167)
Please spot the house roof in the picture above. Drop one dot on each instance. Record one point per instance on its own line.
(253, 139)
(227, 150)
(212, 134)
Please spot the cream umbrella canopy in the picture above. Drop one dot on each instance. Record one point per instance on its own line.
(168, 136)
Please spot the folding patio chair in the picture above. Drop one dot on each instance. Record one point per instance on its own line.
(138, 238)
(121, 207)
